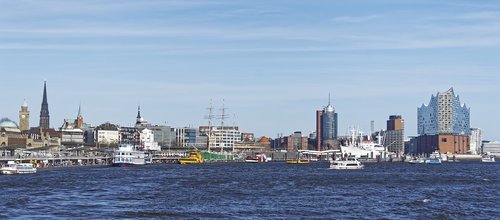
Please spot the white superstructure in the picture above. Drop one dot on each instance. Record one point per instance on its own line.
(129, 155)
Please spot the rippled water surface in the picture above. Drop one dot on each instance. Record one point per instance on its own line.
(248, 191)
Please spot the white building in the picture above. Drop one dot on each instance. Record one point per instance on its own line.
(147, 138)
(476, 139)
(107, 136)
(72, 136)
(223, 139)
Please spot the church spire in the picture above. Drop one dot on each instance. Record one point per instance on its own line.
(44, 111)
(79, 111)
(44, 101)
(138, 112)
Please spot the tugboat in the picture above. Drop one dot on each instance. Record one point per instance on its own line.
(193, 158)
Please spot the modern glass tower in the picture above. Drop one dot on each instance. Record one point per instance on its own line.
(444, 115)
(326, 126)
(329, 123)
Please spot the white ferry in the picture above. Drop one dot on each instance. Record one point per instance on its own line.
(434, 158)
(129, 155)
(349, 163)
(24, 168)
(9, 169)
(21, 168)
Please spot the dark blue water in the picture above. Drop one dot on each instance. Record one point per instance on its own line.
(248, 191)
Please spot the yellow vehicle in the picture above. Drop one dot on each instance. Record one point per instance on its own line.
(194, 157)
(297, 161)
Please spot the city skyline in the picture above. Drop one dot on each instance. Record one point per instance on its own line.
(273, 64)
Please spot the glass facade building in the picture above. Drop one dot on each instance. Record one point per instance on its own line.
(444, 115)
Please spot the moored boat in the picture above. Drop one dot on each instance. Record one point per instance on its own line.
(258, 158)
(417, 160)
(128, 155)
(193, 158)
(434, 158)
(488, 158)
(24, 168)
(297, 161)
(9, 169)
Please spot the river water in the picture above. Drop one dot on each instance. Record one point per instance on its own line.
(256, 191)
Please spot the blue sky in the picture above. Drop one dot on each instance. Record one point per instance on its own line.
(273, 62)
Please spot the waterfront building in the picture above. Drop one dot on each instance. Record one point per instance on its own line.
(491, 147)
(164, 136)
(222, 138)
(39, 137)
(444, 115)
(73, 130)
(293, 142)
(263, 144)
(189, 138)
(129, 135)
(24, 117)
(11, 136)
(476, 139)
(44, 112)
(72, 136)
(394, 136)
(147, 140)
(326, 127)
(443, 125)
(247, 137)
(107, 134)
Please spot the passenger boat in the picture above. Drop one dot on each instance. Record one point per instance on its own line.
(128, 155)
(434, 158)
(258, 158)
(297, 161)
(488, 158)
(348, 163)
(193, 158)
(9, 169)
(24, 168)
(417, 160)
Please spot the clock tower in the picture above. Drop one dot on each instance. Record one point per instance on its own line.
(24, 117)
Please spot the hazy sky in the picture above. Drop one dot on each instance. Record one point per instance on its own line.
(274, 62)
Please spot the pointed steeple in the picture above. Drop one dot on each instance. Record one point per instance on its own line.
(44, 101)
(138, 120)
(79, 111)
(44, 111)
(79, 118)
(138, 112)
